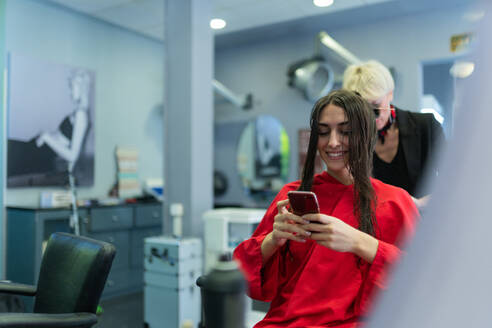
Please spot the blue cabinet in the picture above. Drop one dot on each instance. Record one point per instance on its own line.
(125, 226)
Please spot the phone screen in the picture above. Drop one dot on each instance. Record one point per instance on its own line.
(303, 202)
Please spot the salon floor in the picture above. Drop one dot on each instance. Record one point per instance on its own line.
(122, 312)
(127, 312)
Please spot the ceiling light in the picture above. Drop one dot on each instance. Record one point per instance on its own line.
(217, 23)
(322, 3)
(462, 69)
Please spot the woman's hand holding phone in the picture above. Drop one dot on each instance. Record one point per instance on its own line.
(328, 231)
(332, 233)
(339, 236)
(288, 226)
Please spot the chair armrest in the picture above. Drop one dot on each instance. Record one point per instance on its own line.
(19, 289)
(41, 320)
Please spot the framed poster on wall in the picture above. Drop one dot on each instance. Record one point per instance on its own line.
(50, 125)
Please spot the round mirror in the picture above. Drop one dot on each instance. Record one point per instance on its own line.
(263, 156)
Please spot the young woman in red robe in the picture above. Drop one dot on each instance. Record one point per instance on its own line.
(323, 270)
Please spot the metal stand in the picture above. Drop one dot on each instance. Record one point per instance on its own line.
(74, 218)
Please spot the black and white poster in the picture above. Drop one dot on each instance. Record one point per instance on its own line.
(50, 127)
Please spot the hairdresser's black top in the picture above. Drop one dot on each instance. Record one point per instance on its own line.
(418, 142)
(394, 173)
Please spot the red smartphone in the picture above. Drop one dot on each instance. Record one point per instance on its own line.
(303, 202)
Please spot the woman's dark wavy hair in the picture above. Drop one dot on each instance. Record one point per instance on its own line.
(362, 140)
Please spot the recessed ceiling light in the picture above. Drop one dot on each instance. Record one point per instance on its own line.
(462, 69)
(322, 3)
(217, 23)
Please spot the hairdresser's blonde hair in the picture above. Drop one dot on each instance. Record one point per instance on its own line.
(372, 80)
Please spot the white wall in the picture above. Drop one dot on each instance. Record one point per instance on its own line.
(129, 84)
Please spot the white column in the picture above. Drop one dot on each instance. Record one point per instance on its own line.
(188, 112)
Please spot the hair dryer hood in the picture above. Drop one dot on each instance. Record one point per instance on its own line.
(314, 78)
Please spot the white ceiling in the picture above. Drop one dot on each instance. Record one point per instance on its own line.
(147, 16)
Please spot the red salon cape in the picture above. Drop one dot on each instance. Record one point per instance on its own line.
(310, 285)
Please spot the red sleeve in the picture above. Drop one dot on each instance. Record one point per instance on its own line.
(262, 279)
(397, 219)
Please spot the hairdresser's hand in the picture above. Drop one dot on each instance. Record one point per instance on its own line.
(339, 236)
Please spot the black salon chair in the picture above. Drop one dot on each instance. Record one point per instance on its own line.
(71, 280)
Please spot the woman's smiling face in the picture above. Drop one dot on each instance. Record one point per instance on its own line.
(333, 141)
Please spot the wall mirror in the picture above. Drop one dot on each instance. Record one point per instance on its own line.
(263, 156)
